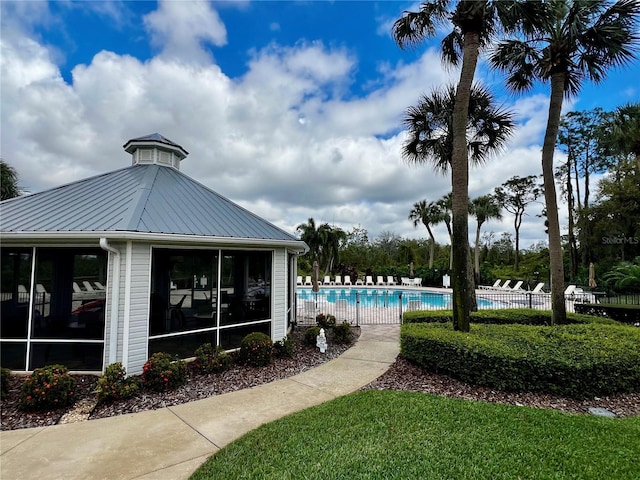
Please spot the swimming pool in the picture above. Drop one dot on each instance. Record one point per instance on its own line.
(380, 297)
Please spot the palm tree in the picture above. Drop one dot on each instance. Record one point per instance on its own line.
(309, 235)
(484, 208)
(8, 181)
(429, 214)
(474, 23)
(330, 241)
(445, 206)
(570, 42)
(624, 132)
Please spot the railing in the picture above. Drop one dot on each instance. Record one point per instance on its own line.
(387, 306)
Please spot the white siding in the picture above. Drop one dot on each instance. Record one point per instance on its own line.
(139, 300)
(279, 295)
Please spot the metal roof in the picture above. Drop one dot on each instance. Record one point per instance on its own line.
(139, 198)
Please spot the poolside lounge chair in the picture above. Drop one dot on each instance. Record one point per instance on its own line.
(517, 286)
(299, 280)
(76, 288)
(571, 290)
(100, 286)
(505, 285)
(307, 280)
(337, 280)
(538, 288)
(391, 280)
(417, 282)
(347, 280)
(380, 280)
(405, 281)
(359, 282)
(369, 280)
(327, 280)
(88, 286)
(495, 285)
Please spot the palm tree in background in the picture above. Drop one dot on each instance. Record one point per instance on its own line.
(474, 24)
(9, 187)
(624, 132)
(427, 213)
(484, 208)
(324, 243)
(568, 43)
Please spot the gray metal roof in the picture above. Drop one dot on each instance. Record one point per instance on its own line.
(140, 198)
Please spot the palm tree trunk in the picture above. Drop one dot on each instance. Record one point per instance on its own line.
(432, 247)
(476, 254)
(460, 185)
(559, 310)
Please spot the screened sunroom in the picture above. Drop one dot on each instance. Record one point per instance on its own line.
(136, 261)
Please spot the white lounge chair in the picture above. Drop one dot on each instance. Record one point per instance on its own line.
(405, 281)
(40, 288)
(100, 286)
(505, 285)
(391, 280)
(369, 280)
(380, 281)
(570, 290)
(490, 287)
(359, 282)
(337, 280)
(76, 288)
(88, 286)
(417, 282)
(307, 280)
(299, 280)
(327, 280)
(517, 286)
(538, 288)
(347, 280)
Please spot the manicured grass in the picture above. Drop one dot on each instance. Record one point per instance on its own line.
(403, 435)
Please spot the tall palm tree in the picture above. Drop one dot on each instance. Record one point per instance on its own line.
(484, 208)
(624, 132)
(445, 204)
(330, 241)
(570, 42)
(427, 213)
(474, 23)
(309, 235)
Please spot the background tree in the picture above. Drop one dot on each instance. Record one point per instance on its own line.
(9, 187)
(427, 213)
(567, 44)
(484, 208)
(623, 132)
(515, 195)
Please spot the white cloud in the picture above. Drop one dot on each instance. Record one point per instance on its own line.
(285, 140)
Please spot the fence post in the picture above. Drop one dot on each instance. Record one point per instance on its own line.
(530, 299)
(357, 309)
(400, 302)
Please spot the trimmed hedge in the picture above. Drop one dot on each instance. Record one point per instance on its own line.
(521, 316)
(580, 361)
(622, 313)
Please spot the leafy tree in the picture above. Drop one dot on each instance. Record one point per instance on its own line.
(515, 195)
(570, 42)
(484, 208)
(428, 214)
(623, 132)
(8, 181)
(625, 276)
(323, 241)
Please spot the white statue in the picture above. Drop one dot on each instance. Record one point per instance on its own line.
(321, 341)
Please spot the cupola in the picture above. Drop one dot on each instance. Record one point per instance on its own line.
(155, 149)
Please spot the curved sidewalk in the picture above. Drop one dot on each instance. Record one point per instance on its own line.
(171, 443)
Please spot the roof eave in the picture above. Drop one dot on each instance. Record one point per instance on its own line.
(295, 245)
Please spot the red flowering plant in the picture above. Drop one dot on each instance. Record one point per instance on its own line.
(114, 384)
(164, 372)
(47, 388)
(211, 360)
(256, 349)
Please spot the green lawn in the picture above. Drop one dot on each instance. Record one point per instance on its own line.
(384, 435)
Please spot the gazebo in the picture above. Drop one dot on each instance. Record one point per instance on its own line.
(144, 259)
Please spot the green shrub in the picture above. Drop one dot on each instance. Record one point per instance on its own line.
(256, 349)
(211, 360)
(284, 348)
(5, 374)
(325, 321)
(47, 388)
(580, 361)
(342, 333)
(114, 384)
(164, 372)
(522, 316)
(310, 336)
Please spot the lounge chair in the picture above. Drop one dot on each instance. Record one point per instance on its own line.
(538, 288)
(369, 280)
(40, 288)
(307, 280)
(491, 287)
(76, 288)
(571, 290)
(337, 280)
(88, 286)
(405, 281)
(100, 286)
(299, 280)
(517, 286)
(505, 285)
(359, 282)
(347, 280)
(380, 281)
(417, 282)
(327, 280)
(391, 280)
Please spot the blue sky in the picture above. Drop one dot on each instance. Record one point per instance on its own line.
(291, 109)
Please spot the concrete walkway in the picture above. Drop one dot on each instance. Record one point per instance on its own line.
(171, 443)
